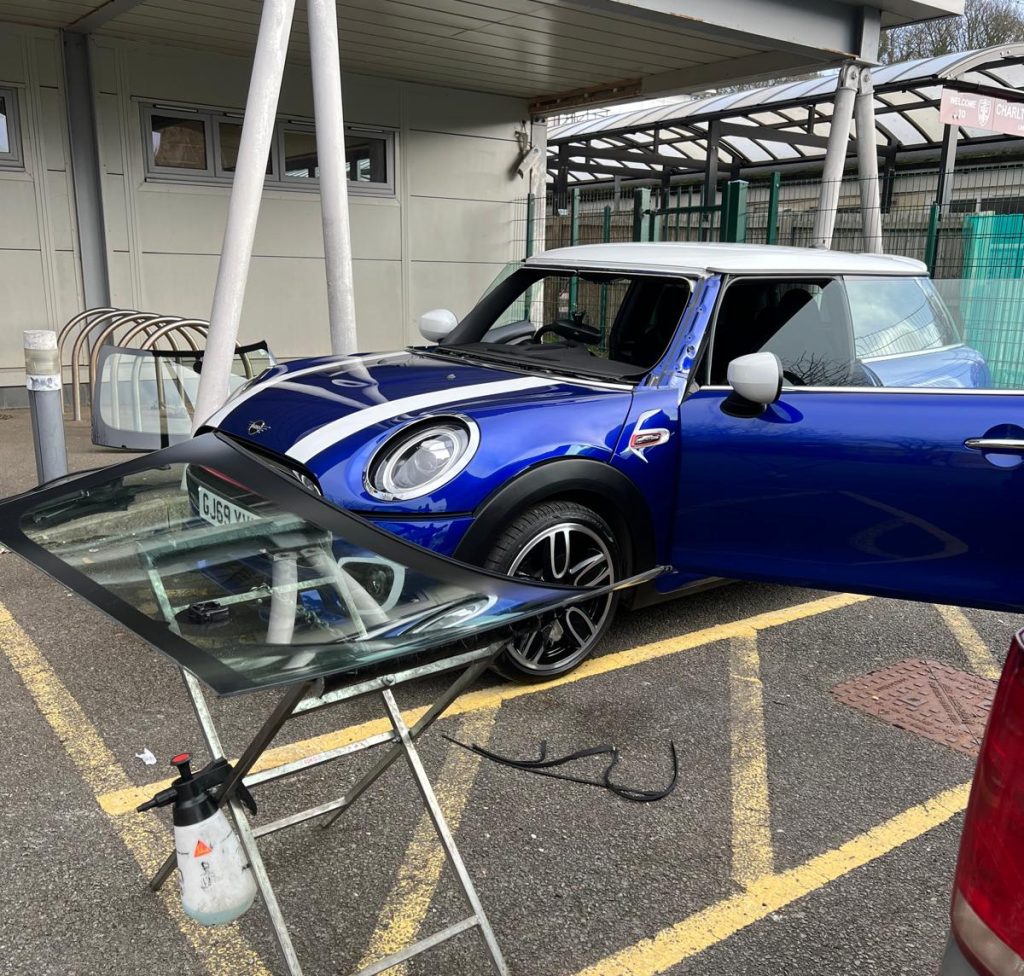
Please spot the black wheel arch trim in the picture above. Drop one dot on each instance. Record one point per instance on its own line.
(566, 478)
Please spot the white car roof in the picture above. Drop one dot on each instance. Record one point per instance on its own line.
(702, 259)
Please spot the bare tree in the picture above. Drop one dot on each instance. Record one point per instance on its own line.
(984, 23)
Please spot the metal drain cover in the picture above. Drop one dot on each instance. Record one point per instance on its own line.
(930, 698)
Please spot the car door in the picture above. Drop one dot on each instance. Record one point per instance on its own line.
(843, 483)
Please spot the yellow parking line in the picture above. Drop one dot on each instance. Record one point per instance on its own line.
(752, 855)
(222, 950)
(405, 909)
(979, 657)
(772, 892)
(117, 802)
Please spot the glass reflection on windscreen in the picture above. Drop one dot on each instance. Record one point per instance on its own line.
(261, 590)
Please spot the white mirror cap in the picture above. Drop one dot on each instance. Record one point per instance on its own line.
(757, 377)
(435, 325)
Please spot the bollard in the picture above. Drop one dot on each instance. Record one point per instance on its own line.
(45, 400)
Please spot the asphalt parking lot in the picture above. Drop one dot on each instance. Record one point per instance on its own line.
(803, 837)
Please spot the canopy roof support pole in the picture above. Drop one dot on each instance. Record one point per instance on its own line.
(330, 150)
(711, 165)
(947, 166)
(835, 155)
(867, 164)
(244, 205)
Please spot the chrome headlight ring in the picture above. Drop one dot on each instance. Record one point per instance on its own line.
(421, 458)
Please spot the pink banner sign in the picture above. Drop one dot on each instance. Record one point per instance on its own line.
(982, 112)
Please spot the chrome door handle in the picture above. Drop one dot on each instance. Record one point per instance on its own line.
(996, 445)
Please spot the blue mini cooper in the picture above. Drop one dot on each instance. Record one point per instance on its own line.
(729, 411)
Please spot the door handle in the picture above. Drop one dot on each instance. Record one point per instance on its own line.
(996, 445)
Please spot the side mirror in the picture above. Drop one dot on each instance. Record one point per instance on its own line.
(435, 325)
(756, 381)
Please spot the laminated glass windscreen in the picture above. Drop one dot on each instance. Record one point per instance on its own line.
(246, 578)
(145, 397)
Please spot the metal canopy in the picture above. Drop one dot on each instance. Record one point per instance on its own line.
(781, 124)
(555, 53)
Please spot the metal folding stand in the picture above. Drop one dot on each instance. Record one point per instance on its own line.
(309, 696)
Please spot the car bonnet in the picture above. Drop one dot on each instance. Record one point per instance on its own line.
(307, 411)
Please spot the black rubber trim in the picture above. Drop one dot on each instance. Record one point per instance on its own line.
(375, 516)
(559, 478)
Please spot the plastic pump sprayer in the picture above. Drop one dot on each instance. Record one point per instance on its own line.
(216, 884)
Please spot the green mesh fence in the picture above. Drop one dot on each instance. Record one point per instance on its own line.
(992, 293)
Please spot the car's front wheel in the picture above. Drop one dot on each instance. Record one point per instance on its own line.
(569, 544)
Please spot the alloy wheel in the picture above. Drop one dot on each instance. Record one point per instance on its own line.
(570, 554)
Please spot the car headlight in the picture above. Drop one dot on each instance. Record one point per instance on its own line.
(422, 458)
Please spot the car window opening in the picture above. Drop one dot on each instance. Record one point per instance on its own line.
(805, 322)
(611, 326)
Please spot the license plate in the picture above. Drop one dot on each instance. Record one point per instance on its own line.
(219, 511)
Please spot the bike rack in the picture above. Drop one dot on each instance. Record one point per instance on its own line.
(144, 322)
(166, 332)
(116, 315)
(82, 321)
(91, 329)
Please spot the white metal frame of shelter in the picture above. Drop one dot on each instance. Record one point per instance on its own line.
(796, 125)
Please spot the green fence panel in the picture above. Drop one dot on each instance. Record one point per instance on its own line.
(992, 296)
(574, 238)
(774, 189)
(606, 236)
(734, 212)
(641, 206)
(931, 244)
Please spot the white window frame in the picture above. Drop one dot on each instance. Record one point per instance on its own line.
(387, 188)
(276, 179)
(186, 114)
(221, 174)
(14, 157)
(283, 127)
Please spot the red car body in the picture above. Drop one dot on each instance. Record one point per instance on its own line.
(987, 915)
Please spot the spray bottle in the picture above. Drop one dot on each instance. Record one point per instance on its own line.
(217, 885)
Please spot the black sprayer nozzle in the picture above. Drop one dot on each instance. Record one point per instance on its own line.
(192, 792)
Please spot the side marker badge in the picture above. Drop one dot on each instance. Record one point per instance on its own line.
(644, 438)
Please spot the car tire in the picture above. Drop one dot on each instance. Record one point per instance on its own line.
(567, 543)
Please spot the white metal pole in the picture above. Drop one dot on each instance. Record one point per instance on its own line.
(867, 164)
(330, 151)
(835, 155)
(244, 205)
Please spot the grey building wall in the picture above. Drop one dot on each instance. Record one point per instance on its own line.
(449, 228)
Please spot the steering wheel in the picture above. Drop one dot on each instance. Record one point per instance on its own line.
(574, 329)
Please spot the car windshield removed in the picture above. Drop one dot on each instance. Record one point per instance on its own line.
(245, 577)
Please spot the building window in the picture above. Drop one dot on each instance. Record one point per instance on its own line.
(179, 143)
(186, 144)
(10, 136)
(299, 147)
(229, 137)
